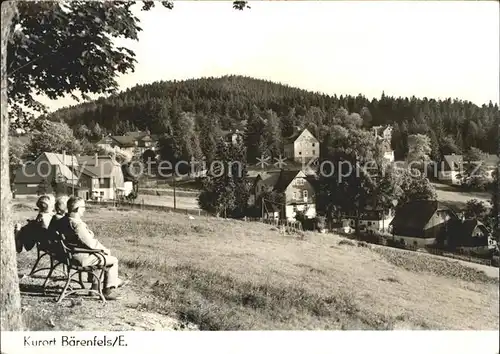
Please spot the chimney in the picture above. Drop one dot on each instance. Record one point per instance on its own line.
(96, 159)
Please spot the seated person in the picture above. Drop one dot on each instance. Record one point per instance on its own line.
(36, 229)
(60, 208)
(45, 206)
(78, 234)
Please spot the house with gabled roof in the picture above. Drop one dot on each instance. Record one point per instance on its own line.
(470, 236)
(421, 223)
(297, 190)
(451, 169)
(101, 178)
(44, 173)
(301, 146)
(134, 142)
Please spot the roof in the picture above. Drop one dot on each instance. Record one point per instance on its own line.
(57, 159)
(453, 160)
(269, 178)
(463, 233)
(105, 166)
(124, 141)
(62, 164)
(293, 137)
(284, 180)
(416, 214)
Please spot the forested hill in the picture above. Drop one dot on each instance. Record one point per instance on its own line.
(229, 100)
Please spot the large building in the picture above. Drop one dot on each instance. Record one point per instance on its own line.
(422, 223)
(137, 143)
(90, 177)
(296, 188)
(301, 146)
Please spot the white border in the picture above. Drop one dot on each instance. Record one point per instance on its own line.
(303, 342)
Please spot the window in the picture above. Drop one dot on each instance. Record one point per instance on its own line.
(314, 152)
(102, 193)
(369, 223)
(304, 193)
(262, 188)
(299, 182)
(314, 145)
(294, 195)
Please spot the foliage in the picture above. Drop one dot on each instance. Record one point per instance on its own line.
(414, 185)
(228, 102)
(475, 174)
(419, 148)
(476, 209)
(53, 137)
(225, 188)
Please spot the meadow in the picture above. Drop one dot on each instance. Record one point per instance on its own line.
(219, 274)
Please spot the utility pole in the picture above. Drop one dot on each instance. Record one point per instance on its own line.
(175, 201)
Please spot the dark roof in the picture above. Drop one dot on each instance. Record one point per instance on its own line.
(284, 180)
(293, 137)
(462, 233)
(124, 141)
(416, 214)
(105, 166)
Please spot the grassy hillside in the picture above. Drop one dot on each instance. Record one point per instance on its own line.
(229, 275)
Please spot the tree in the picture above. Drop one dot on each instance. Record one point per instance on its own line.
(218, 193)
(448, 146)
(225, 188)
(414, 185)
(17, 153)
(475, 174)
(10, 311)
(273, 133)
(419, 149)
(476, 209)
(53, 137)
(55, 48)
(352, 177)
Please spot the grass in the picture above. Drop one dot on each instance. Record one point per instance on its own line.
(234, 275)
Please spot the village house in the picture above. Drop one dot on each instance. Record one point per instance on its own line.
(301, 146)
(232, 136)
(45, 173)
(491, 164)
(370, 221)
(422, 223)
(90, 177)
(101, 178)
(451, 169)
(296, 188)
(470, 236)
(136, 143)
(383, 132)
(383, 135)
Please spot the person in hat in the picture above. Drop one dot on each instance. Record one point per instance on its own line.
(78, 234)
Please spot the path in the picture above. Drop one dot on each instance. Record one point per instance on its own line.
(88, 313)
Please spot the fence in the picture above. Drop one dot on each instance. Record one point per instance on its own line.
(143, 206)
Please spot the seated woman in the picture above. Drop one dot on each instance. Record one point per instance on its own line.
(45, 206)
(36, 229)
(60, 209)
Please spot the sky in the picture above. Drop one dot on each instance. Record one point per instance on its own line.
(426, 49)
